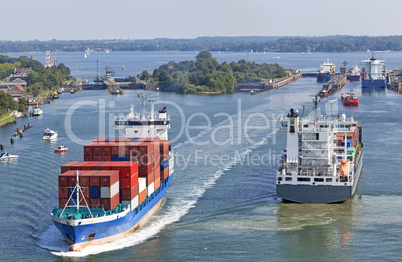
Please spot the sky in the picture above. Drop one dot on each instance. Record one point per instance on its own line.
(149, 19)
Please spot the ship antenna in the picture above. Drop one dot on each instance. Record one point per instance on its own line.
(78, 189)
(144, 106)
(304, 106)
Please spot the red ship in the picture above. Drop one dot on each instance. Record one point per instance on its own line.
(350, 99)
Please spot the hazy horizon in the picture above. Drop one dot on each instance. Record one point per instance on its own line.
(180, 19)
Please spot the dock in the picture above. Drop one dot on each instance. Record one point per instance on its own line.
(258, 88)
(331, 87)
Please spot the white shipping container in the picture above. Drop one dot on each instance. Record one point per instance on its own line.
(150, 189)
(142, 184)
(109, 192)
(134, 202)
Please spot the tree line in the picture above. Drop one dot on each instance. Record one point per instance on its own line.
(336, 43)
(207, 75)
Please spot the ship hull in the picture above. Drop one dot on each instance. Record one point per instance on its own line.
(98, 233)
(354, 77)
(324, 77)
(319, 194)
(374, 83)
(350, 102)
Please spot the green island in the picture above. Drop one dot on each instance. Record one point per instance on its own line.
(33, 87)
(207, 76)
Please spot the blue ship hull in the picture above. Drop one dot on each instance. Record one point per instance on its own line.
(107, 231)
(374, 83)
(324, 77)
(354, 77)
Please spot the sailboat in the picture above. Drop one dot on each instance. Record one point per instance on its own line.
(122, 66)
(85, 55)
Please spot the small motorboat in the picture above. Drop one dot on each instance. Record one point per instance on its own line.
(7, 157)
(49, 135)
(61, 149)
(349, 99)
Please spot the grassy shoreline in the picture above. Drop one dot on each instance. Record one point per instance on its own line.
(7, 120)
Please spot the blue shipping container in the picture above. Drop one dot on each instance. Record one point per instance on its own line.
(94, 192)
(115, 158)
(72, 191)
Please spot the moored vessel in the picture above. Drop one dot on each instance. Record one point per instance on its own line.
(7, 157)
(61, 149)
(120, 184)
(355, 74)
(374, 72)
(322, 162)
(326, 72)
(37, 111)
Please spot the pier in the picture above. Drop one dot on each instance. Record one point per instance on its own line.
(258, 88)
(331, 87)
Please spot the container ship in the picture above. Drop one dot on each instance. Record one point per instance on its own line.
(322, 162)
(355, 74)
(374, 73)
(326, 72)
(120, 184)
(349, 99)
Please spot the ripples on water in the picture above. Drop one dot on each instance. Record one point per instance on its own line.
(213, 212)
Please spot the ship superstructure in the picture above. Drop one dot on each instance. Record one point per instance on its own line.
(355, 74)
(326, 72)
(322, 161)
(374, 73)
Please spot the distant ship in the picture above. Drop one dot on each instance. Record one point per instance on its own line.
(326, 72)
(374, 72)
(323, 159)
(355, 74)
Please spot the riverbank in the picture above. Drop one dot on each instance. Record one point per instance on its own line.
(9, 119)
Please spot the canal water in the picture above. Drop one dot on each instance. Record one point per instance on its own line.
(222, 203)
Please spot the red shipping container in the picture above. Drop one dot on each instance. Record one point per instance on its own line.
(96, 149)
(66, 167)
(134, 151)
(157, 182)
(85, 191)
(145, 148)
(88, 166)
(98, 165)
(97, 158)
(94, 203)
(163, 145)
(145, 160)
(88, 150)
(63, 180)
(84, 179)
(87, 158)
(110, 203)
(128, 194)
(105, 150)
(142, 196)
(129, 168)
(157, 172)
(63, 192)
(62, 202)
(108, 178)
(128, 182)
(106, 158)
(94, 180)
(165, 155)
(144, 170)
(134, 158)
(164, 174)
(105, 166)
(72, 179)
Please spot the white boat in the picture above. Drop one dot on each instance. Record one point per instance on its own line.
(37, 111)
(61, 149)
(49, 134)
(7, 157)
